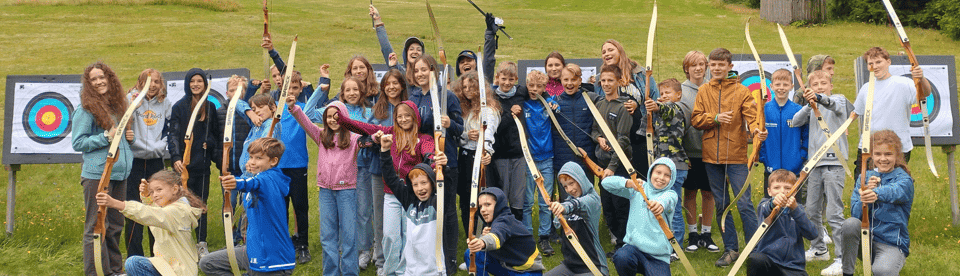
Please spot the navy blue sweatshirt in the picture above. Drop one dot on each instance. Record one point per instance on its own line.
(783, 242)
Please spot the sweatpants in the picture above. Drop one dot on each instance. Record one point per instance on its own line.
(110, 249)
(629, 260)
(887, 259)
(218, 263)
(825, 186)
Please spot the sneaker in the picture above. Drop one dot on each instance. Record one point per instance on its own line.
(545, 247)
(462, 266)
(365, 259)
(727, 258)
(814, 255)
(693, 239)
(303, 255)
(826, 237)
(835, 269)
(706, 241)
(381, 272)
(613, 239)
(202, 249)
(674, 257)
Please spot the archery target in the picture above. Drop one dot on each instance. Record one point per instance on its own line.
(751, 79)
(42, 117)
(937, 76)
(749, 75)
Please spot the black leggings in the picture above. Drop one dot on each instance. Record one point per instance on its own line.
(298, 194)
(132, 231)
(199, 184)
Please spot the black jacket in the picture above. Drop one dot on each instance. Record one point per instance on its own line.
(209, 131)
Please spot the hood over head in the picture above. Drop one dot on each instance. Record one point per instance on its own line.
(186, 80)
(406, 46)
(574, 170)
(416, 113)
(340, 106)
(430, 174)
(673, 174)
(501, 208)
(464, 54)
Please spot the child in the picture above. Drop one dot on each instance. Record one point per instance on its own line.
(101, 100)
(574, 119)
(541, 148)
(816, 63)
(779, 251)
(241, 128)
(787, 148)
(894, 96)
(508, 156)
(695, 67)
(669, 122)
(336, 177)
(420, 216)
(826, 180)
(889, 191)
(582, 211)
(206, 147)
(168, 208)
(646, 251)
(553, 65)
(468, 92)
(619, 121)
(721, 117)
(505, 248)
(271, 252)
(149, 123)
(410, 148)
(259, 114)
(358, 67)
(294, 165)
(277, 71)
(412, 47)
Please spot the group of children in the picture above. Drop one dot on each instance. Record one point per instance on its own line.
(377, 166)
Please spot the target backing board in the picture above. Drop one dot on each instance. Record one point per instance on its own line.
(38, 113)
(941, 72)
(588, 67)
(746, 67)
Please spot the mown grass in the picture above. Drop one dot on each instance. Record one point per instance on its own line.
(214, 5)
(63, 37)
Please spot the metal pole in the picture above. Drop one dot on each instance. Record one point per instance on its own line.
(952, 169)
(11, 195)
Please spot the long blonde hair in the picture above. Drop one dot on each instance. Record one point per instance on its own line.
(625, 64)
(472, 105)
(141, 82)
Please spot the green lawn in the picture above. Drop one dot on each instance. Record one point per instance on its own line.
(63, 39)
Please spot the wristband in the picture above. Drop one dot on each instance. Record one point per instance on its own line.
(716, 119)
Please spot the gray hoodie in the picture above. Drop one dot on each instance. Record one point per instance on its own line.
(583, 216)
(835, 110)
(692, 137)
(150, 126)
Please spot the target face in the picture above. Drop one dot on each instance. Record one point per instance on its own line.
(47, 118)
(751, 79)
(933, 106)
(216, 99)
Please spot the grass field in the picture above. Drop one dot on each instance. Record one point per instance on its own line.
(62, 37)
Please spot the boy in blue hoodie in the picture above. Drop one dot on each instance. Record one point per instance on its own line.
(582, 211)
(541, 146)
(780, 251)
(506, 247)
(271, 253)
(646, 251)
(786, 146)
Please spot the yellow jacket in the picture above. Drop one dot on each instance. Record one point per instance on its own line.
(175, 251)
(724, 143)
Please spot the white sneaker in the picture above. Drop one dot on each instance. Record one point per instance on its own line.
(364, 259)
(835, 269)
(463, 266)
(381, 272)
(813, 255)
(202, 249)
(826, 237)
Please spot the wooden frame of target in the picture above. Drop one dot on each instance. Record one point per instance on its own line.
(942, 105)
(746, 67)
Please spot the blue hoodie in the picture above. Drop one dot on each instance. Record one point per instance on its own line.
(272, 250)
(891, 213)
(643, 230)
(583, 216)
(786, 146)
(508, 240)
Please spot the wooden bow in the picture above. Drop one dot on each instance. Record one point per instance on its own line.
(224, 171)
(99, 230)
(266, 34)
(288, 74)
(188, 136)
(476, 178)
(649, 73)
(579, 152)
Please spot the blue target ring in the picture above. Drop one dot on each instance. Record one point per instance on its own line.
(751, 79)
(46, 118)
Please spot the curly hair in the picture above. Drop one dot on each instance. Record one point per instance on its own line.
(103, 107)
(470, 104)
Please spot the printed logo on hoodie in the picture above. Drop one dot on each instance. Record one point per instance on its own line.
(150, 118)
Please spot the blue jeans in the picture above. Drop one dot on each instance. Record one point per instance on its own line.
(737, 176)
(140, 266)
(338, 222)
(629, 260)
(489, 264)
(676, 224)
(533, 195)
(393, 238)
(364, 210)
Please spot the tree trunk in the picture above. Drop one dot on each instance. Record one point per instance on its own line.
(788, 11)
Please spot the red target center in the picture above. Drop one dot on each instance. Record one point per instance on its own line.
(48, 118)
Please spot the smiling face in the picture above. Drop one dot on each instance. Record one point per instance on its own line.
(358, 69)
(487, 204)
(884, 157)
(471, 89)
(668, 94)
(506, 82)
(778, 187)
(99, 81)
(781, 89)
(609, 54)
(821, 85)
(660, 176)
(405, 117)
(535, 89)
(553, 68)
(351, 92)
(259, 162)
(570, 82)
(719, 69)
(697, 70)
(329, 119)
(154, 85)
(421, 187)
(413, 52)
(163, 193)
(609, 83)
(572, 187)
(466, 64)
(197, 85)
(421, 73)
(264, 111)
(392, 88)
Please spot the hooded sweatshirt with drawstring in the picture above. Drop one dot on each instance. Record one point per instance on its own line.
(643, 230)
(583, 216)
(508, 240)
(419, 218)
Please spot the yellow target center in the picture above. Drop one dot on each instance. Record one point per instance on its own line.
(48, 118)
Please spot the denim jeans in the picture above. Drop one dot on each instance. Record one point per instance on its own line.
(377, 191)
(393, 237)
(140, 266)
(533, 195)
(887, 259)
(718, 174)
(629, 260)
(364, 209)
(339, 236)
(676, 224)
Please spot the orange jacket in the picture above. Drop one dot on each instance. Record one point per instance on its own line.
(724, 143)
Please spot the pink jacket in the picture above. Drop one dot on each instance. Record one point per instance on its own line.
(336, 167)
